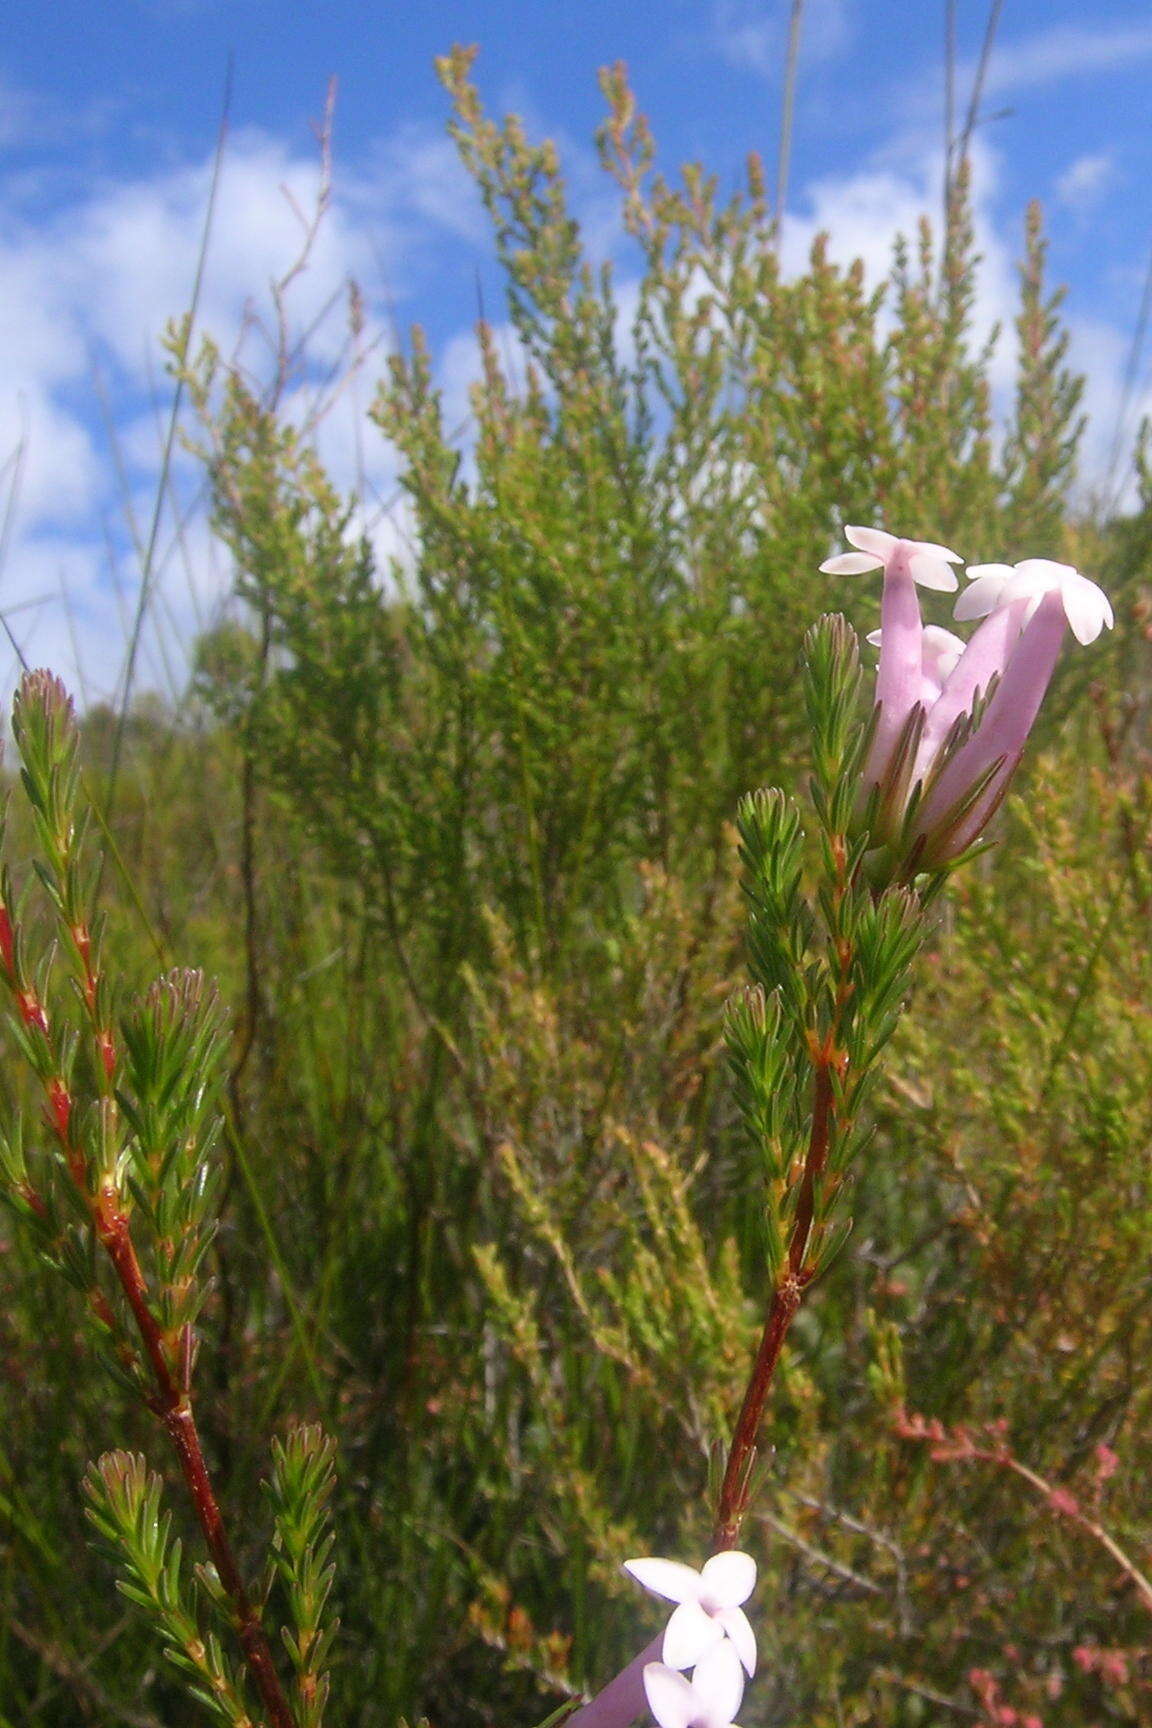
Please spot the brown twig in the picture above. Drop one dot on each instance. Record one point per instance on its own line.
(960, 1445)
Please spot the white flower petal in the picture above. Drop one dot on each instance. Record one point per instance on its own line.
(932, 550)
(931, 571)
(939, 642)
(1038, 576)
(671, 1698)
(729, 1578)
(939, 652)
(851, 564)
(690, 1632)
(976, 572)
(668, 1578)
(1086, 608)
(982, 596)
(739, 1628)
(878, 541)
(718, 1682)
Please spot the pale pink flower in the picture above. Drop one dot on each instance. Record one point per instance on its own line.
(709, 1700)
(1025, 610)
(900, 675)
(939, 652)
(992, 586)
(708, 1605)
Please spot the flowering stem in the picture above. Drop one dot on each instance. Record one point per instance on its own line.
(1086, 1522)
(959, 1446)
(800, 1264)
(797, 1273)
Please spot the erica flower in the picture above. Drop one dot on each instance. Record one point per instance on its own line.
(991, 586)
(708, 1611)
(900, 676)
(1025, 610)
(709, 1700)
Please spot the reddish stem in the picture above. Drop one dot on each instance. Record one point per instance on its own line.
(783, 1306)
(171, 1405)
(797, 1271)
(170, 1402)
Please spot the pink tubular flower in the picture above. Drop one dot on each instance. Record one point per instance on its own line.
(708, 1608)
(900, 677)
(1025, 610)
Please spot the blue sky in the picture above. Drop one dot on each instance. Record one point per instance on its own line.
(108, 120)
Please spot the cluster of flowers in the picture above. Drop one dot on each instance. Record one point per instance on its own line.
(953, 717)
(708, 1633)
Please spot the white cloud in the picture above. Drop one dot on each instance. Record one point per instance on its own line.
(137, 246)
(87, 293)
(54, 602)
(41, 337)
(754, 34)
(864, 213)
(1067, 51)
(29, 118)
(460, 367)
(97, 282)
(57, 472)
(418, 174)
(1106, 475)
(1084, 182)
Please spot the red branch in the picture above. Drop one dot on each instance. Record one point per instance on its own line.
(797, 1274)
(989, 1445)
(170, 1403)
(799, 1267)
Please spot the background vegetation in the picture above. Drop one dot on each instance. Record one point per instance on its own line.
(455, 841)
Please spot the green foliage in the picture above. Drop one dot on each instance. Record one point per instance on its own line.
(124, 1505)
(300, 1488)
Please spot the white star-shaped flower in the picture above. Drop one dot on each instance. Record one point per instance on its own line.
(876, 549)
(708, 1605)
(709, 1700)
(992, 586)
